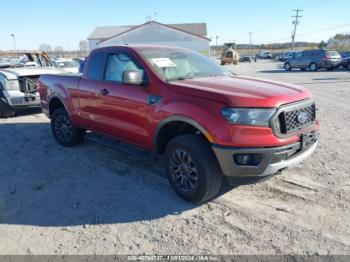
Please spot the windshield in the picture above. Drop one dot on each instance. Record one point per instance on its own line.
(172, 64)
(68, 64)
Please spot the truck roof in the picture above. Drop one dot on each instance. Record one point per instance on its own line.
(142, 47)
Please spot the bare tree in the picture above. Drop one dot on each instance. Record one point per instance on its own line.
(45, 47)
(58, 49)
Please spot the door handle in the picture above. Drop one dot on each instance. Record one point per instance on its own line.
(104, 92)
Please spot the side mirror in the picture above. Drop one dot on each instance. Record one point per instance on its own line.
(132, 77)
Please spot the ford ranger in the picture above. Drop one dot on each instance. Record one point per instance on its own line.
(204, 122)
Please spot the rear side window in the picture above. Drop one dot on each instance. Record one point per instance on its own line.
(96, 66)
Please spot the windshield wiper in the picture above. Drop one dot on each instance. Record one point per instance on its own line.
(184, 78)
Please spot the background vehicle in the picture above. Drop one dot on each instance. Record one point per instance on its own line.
(18, 84)
(345, 60)
(4, 62)
(68, 65)
(81, 62)
(16, 62)
(314, 60)
(265, 55)
(245, 59)
(229, 55)
(178, 104)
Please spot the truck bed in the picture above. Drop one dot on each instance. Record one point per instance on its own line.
(62, 84)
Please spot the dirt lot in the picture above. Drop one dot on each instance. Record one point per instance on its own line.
(95, 200)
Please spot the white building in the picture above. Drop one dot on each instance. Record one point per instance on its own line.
(192, 36)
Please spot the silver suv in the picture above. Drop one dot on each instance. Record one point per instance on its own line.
(313, 60)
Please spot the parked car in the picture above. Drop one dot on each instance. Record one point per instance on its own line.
(81, 62)
(16, 62)
(68, 65)
(203, 121)
(18, 84)
(345, 60)
(245, 59)
(265, 55)
(4, 62)
(313, 60)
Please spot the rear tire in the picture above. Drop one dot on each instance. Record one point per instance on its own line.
(348, 67)
(5, 111)
(192, 168)
(330, 69)
(313, 67)
(64, 131)
(287, 67)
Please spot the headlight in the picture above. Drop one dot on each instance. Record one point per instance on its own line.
(12, 85)
(249, 116)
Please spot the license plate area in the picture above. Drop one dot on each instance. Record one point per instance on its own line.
(307, 140)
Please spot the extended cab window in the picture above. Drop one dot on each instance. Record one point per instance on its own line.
(96, 66)
(117, 64)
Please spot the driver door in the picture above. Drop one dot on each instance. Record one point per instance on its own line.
(124, 110)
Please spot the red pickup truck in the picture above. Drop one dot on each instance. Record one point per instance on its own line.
(176, 103)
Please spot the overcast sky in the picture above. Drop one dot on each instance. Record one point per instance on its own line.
(66, 22)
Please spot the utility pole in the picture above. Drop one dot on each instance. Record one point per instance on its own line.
(295, 22)
(14, 41)
(250, 43)
(216, 39)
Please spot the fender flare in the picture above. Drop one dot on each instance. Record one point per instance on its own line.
(55, 96)
(181, 118)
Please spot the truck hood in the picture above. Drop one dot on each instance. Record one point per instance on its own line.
(14, 73)
(241, 91)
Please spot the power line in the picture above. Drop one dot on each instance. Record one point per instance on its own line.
(324, 30)
(295, 22)
(309, 33)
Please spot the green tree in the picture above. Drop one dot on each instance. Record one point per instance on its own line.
(323, 44)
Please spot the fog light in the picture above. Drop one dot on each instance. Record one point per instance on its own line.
(247, 159)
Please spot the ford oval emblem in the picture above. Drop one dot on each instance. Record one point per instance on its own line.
(302, 117)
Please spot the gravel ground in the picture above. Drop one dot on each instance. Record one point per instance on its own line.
(95, 200)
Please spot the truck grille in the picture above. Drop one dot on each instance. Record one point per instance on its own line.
(291, 118)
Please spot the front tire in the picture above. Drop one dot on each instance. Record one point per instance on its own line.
(287, 67)
(313, 67)
(64, 131)
(192, 168)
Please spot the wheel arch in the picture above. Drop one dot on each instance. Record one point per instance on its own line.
(177, 125)
(56, 102)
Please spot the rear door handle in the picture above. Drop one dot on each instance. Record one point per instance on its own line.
(104, 92)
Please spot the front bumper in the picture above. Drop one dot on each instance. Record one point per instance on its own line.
(16, 99)
(273, 159)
